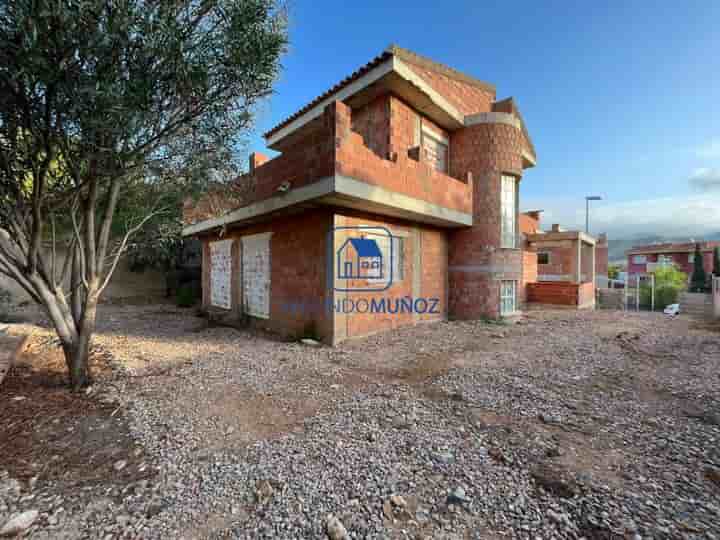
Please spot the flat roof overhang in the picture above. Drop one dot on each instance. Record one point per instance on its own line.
(338, 191)
(559, 236)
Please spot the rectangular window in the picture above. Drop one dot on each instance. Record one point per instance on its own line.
(508, 212)
(691, 258)
(508, 296)
(639, 259)
(543, 257)
(435, 150)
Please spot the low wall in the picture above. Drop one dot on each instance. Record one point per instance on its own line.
(697, 304)
(561, 293)
(611, 298)
(586, 295)
(123, 284)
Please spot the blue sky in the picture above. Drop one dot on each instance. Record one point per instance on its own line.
(622, 99)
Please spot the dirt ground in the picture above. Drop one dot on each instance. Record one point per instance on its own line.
(617, 403)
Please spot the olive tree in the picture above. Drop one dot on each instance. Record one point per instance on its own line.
(96, 95)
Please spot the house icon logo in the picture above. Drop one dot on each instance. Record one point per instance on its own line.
(359, 258)
(363, 258)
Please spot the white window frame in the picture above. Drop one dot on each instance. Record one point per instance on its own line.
(504, 312)
(508, 211)
(639, 259)
(398, 255)
(691, 258)
(436, 137)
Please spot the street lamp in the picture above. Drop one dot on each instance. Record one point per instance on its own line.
(587, 210)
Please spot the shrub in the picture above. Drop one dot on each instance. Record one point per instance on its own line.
(186, 296)
(698, 282)
(669, 282)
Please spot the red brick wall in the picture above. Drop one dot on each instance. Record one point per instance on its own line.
(601, 259)
(297, 271)
(405, 175)
(529, 273)
(477, 264)
(554, 292)
(424, 269)
(301, 299)
(681, 260)
(586, 294)
(465, 97)
(372, 122)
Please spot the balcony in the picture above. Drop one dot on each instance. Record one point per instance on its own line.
(329, 164)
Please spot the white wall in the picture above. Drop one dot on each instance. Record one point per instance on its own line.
(124, 284)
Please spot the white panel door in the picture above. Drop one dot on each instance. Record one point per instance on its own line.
(256, 274)
(220, 271)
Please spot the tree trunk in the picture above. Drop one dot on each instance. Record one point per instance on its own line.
(76, 359)
(77, 354)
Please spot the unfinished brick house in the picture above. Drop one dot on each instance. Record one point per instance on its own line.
(409, 153)
(561, 266)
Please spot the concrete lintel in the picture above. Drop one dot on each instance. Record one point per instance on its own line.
(550, 236)
(337, 190)
(493, 118)
(278, 202)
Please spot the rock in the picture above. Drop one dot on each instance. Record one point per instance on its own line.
(10, 489)
(19, 523)
(400, 422)
(398, 500)
(335, 529)
(553, 451)
(457, 496)
(549, 418)
(264, 491)
(310, 342)
(713, 474)
(555, 479)
(444, 457)
(154, 509)
(120, 465)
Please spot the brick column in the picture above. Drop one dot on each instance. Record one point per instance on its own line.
(477, 262)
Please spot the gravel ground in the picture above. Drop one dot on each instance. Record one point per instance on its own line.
(566, 425)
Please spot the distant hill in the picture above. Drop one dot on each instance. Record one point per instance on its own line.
(618, 246)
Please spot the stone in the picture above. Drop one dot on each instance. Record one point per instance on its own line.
(398, 501)
(713, 474)
(555, 479)
(335, 529)
(120, 465)
(457, 496)
(19, 523)
(310, 342)
(444, 457)
(264, 491)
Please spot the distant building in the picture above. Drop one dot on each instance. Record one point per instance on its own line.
(559, 266)
(645, 259)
